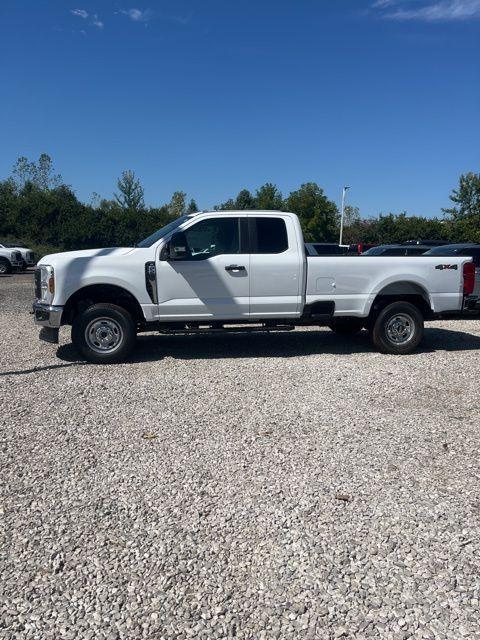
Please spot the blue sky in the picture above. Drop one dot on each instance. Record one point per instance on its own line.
(211, 96)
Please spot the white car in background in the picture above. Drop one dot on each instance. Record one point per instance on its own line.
(28, 256)
(9, 259)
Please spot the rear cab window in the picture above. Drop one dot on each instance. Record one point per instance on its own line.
(268, 235)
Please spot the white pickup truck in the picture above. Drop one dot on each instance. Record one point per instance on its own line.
(240, 271)
(27, 255)
(9, 259)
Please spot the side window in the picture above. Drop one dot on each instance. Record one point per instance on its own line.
(270, 235)
(212, 237)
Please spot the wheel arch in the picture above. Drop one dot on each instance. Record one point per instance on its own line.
(98, 293)
(402, 291)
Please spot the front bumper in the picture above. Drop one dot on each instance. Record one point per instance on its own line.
(46, 315)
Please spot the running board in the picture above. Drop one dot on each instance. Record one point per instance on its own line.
(227, 329)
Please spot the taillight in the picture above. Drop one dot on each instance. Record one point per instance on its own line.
(468, 278)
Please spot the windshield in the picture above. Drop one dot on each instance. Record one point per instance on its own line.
(161, 233)
(444, 251)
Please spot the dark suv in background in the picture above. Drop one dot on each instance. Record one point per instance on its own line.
(397, 250)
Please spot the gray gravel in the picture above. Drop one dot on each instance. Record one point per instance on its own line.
(295, 485)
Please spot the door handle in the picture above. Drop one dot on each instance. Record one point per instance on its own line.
(235, 268)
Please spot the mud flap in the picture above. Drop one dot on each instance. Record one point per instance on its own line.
(49, 334)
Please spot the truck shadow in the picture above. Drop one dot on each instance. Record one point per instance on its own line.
(295, 344)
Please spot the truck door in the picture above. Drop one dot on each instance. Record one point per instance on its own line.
(212, 280)
(275, 267)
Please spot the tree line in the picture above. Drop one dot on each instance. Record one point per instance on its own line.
(37, 208)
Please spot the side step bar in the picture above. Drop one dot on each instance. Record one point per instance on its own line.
(224, 329)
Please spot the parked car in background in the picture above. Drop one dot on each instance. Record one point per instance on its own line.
(397, 250)
(325, 249)
(358, 248)
(10, 259)
(28, 256)
(426, 243)
(462, 249)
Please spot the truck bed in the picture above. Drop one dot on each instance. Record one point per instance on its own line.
(353, 282)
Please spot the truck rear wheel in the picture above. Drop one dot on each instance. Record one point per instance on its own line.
(104, 333)
(346, 326)
(398, 328)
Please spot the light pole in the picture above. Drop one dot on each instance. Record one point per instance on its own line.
(342, 214)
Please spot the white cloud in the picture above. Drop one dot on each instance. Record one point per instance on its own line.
(381, 4)
(137, 15)
(96, 22)
(81, 13)
(183, 20)
(442, 10)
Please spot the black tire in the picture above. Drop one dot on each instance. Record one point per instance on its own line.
(346, 326)
(5, 267)
(398, 328)
(104, 333)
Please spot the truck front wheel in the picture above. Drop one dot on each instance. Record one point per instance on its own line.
(5, 267)
(104, 333)
(398, 328)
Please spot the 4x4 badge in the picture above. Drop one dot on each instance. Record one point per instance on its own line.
(441, 267)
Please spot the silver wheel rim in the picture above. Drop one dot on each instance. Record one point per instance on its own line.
(3, 267)
(103, 335)
(400, 328)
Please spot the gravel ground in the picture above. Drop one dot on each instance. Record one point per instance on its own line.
(295, 485)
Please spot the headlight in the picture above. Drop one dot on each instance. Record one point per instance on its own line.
(47, 284)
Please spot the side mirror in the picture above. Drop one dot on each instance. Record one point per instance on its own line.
(177, 247)
(165, 252)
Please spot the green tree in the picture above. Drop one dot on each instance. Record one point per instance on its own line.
(268, 198)
(177, 205)
(244, 200)
(22, 172)
(351, 215)
(318, 215)
(131, 192)
(8, 207)
(44, 176)
(229, 205)
(192, 206)
(40, 173)
(467, 197)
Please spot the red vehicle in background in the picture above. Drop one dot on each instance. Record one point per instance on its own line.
(359, 247)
